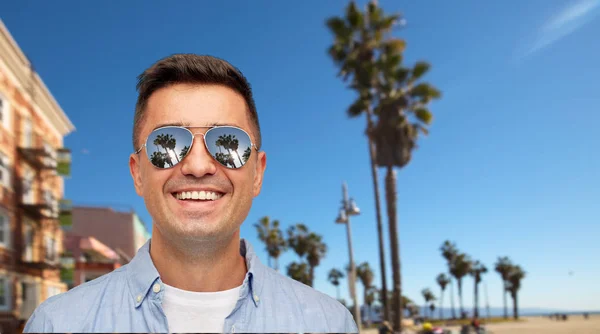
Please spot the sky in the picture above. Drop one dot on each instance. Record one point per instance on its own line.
(510, 167)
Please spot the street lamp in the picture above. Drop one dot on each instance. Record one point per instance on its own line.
(348, 209)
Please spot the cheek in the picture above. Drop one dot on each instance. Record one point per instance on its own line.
(242, 180)
(153, 180)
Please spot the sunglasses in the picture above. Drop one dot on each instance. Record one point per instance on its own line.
(169, 145)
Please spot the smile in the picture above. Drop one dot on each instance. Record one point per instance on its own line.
(201, 195)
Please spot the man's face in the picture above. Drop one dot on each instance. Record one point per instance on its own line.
(197, 106)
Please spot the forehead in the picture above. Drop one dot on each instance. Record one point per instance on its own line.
(195, 105)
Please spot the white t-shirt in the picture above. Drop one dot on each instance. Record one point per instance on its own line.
(198, 312)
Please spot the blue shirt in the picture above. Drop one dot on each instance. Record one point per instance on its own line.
(129, 300)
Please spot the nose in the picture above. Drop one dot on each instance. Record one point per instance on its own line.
(198, 161)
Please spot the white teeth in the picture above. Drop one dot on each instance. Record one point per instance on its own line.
(198, 195)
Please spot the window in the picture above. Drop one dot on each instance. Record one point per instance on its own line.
(50, 159)
(4, 112)
(28, 241)
(4, 170)
(4, 230)
(28, 187)
(4, 293)
(51, 202)
(27, 133)
(51, 251)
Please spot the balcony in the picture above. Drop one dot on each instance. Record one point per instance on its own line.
(43, 259)
(44, 209)
(47, 158)
(37, 203)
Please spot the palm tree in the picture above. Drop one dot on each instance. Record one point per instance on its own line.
(477, 270)
(429, 297)
(161, 140)
(308, 244)
(273, 238)
(515, 277)
(219, 143)
(460, 268)
(442, 280)
(371, 58)
(299, 272)
(316, 251)
(298, 239)
(171, 143)
(370, 296)
(502, 267)
(234, 144)
(226, 142)
(354, 36)
(246, 154)
(158, 159)
(366, 276)
(449, 252)
(183, 152)
(334, 278)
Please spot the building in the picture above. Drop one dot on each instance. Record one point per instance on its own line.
(85, 259)
(32, 162)
(122, 231)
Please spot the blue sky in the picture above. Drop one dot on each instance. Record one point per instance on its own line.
(510, 166)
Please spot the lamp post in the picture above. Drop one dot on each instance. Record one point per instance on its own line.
(348, 209)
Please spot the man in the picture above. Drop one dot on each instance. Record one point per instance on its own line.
(197, 163)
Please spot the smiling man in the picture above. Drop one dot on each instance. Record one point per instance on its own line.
(198, 165)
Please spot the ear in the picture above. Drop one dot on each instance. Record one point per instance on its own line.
(136, 173)
(261, 165)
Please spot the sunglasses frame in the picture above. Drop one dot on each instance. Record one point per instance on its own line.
(187, 128)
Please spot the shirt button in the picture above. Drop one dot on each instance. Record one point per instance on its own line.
(139, 298)
(156, 288)
(256, 299)
(233, 329)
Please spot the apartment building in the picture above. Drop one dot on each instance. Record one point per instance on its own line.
(32, 163)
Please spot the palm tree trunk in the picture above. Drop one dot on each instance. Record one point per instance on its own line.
(338, 291)
(269, 261)
(460, 300)
(175, 154)
(452, 296)
(312, 272)
(390, 190)
(276, 264)
(240, 159)
(476, 302)
(168, 156)
(515, 306)
(386, 309)
(504, 295)
(441, 304)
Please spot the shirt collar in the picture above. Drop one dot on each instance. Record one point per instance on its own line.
(141, 273)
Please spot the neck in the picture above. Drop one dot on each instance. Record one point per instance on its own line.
(199, 267)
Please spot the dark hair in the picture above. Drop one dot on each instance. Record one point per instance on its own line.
(190, 69)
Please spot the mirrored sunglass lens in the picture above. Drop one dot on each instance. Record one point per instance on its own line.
(231, 147)
(166, 147)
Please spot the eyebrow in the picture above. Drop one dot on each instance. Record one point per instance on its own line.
(188, 124)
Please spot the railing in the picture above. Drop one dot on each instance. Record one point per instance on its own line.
(39, 157)
(38, 202)
(39, 257)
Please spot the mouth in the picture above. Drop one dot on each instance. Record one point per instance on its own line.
(197, 195)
